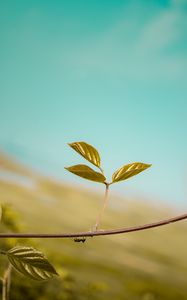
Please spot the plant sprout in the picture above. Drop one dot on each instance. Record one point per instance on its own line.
(84, 171)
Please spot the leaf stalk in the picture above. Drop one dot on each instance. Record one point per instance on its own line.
(6, 280)
(98, 221)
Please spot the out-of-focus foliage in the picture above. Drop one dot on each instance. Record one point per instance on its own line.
(10, 222)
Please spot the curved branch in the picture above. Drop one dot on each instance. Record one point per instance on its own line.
(95, 233)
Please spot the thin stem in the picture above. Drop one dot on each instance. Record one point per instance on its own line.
(98, 221)
(97, 232)
(6, 280)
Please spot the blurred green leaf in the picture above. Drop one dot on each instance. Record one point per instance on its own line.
(86, 172)
(31, 262)
(129, 170)
(87, 151)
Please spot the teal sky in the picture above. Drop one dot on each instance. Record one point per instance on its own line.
(109, 72)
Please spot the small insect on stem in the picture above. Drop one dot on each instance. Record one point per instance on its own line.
(79, 240)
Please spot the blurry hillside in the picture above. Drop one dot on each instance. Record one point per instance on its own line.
(144, 265)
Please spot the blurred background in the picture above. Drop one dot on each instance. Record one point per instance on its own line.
(113, 74)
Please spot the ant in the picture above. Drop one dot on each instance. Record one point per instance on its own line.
(79, 240)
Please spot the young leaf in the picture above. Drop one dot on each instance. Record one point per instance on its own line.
(31, 262)
(87, 151)
(128, 171)
(86, 172)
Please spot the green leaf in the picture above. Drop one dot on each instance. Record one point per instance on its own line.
(31, 262)
(87, 151)
(86, 172)
(129, 170)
